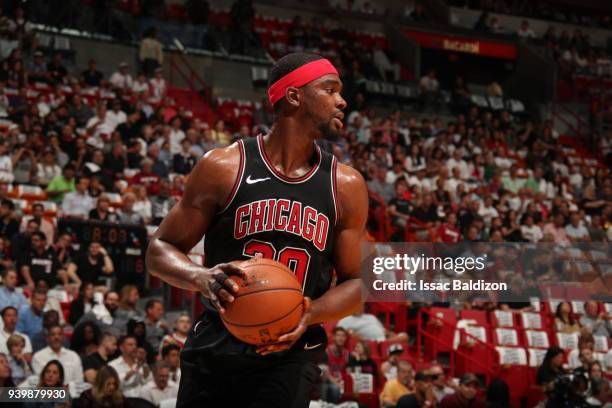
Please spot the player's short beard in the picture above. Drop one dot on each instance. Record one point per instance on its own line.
(327, 130)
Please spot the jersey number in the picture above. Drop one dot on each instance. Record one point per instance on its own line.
(296, 259)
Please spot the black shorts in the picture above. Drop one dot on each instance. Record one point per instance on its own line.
(217, 370)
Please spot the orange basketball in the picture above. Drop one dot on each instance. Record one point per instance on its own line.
(267, 305)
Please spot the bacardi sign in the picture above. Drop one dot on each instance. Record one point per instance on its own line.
(451, 42)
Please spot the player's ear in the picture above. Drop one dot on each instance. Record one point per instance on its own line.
(293, 96)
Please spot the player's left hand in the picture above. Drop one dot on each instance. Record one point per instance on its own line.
(286, 341)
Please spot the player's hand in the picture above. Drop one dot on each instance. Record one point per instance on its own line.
(286, 341)
(216, 285)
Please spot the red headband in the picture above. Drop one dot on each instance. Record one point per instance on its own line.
(300, 77)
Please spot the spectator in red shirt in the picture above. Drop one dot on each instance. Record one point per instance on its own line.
(448, 232)
(337, 353)
(147, 177)
(466, 394)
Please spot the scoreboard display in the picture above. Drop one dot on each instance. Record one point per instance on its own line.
(125, 244)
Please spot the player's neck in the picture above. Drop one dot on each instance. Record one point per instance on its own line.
(290, 148)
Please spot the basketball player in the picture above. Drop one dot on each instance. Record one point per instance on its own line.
(278, 196)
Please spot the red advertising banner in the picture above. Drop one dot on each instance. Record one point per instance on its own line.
(450, 42)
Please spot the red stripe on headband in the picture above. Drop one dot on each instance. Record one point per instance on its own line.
(300, 77)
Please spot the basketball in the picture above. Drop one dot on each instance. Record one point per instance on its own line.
(268, 303)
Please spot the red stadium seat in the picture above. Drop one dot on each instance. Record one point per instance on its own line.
(479, 317)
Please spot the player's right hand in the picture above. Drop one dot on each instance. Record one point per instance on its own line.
(216, 285)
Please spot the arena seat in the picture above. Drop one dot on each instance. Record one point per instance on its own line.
(502, 318)
(531, 320)
(536, 339)
(601, 344)
(21, 205)
(506, 337)
(514, 370)
(567, 341)
(30, 192)
(49, 208)
(115, 199)
(478, 316)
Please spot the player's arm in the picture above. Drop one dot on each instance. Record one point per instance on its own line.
(345, 298)
(207, 188)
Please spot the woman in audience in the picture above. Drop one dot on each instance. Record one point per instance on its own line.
(85, 338)
(552, 366)
(595, 370)
(6, 380)
(102, 211)
(51, 376)
(142, 205)
(21, 368)
(104, 393)
(82, 304)
(360, 361)
(564, 321)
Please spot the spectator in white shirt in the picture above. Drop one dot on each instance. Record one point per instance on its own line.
(366, 326)
(6, 164)
(575, 230)
(9, 318)
(115, 116)
(171, 355)
(159, 388)
(430, 89)
(140, 85)
(525, 32)
(98, 127)
(530, 231)
(176, 136)
(77, 204)
(122, 78)
(158, 85)
(131, 367)
(456, 161)
(4, 102)
(73, 370)
(385, 66)
(487, 211)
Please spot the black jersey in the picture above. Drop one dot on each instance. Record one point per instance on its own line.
(290, 220)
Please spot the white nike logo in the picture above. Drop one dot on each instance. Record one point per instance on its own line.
(195, 328)
(249, 180)
(307, 347)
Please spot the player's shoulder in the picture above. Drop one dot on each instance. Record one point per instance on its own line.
(214, 174)
(352, 195)
(222, 156)
(347, 176)
(221, 161)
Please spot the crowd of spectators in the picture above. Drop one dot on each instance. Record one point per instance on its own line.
(572, 50)
(544, 10)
